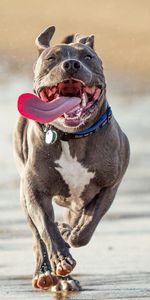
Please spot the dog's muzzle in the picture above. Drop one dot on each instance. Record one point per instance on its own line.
(73, 88)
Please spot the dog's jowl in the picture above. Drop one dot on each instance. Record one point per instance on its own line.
(69, 149)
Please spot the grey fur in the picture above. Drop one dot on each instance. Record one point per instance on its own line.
(105, 154)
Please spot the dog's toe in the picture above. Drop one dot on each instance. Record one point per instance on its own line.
(65, 266)
(34, 282)
(44, 281)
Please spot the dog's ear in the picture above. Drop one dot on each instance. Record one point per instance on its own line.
(87, 40)
(90, 41)
(42, 41)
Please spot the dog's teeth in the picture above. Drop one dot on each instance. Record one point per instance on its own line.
(84, 99)
(97, 94)
(54, 89)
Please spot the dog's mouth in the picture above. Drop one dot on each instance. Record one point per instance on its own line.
(73, 89)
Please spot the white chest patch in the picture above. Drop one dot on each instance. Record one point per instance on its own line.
(74, 174)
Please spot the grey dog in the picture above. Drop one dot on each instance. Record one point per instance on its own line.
(80, 167)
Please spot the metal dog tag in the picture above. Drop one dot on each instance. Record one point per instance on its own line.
(50, 136)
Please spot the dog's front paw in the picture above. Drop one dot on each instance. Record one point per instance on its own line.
(44, 280)
(62, 264)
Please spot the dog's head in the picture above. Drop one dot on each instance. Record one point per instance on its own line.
(70, 70)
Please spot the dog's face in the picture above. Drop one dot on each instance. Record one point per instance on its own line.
(71, 70)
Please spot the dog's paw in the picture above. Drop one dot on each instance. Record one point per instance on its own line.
(44, 280)
(62, 265)
(66, 284)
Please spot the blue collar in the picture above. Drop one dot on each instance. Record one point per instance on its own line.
(52, 134)
(105, 118)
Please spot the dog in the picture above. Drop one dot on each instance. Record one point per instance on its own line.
(78, 159)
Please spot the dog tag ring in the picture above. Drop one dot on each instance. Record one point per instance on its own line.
(50, 136)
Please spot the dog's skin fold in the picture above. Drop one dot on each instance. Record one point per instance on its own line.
(81, 175)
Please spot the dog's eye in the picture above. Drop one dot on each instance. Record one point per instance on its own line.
(51, 58)
(88, 57)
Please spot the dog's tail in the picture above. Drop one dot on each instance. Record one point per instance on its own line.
(68, 39)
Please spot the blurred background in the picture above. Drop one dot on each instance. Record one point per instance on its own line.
(122, 39)
(121, 29)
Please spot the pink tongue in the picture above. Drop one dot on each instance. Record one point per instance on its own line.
(32, 107)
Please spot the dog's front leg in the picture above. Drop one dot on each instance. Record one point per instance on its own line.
(85, 221)
(40, 210)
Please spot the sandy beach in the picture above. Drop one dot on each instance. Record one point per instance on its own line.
(115, 264)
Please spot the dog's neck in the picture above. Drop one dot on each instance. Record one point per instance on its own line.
(51, 134)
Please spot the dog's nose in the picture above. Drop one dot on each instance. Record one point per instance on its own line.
(71, 65)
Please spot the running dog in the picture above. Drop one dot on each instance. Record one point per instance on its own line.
(78, 159)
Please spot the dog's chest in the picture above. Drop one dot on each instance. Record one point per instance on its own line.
(75, 175)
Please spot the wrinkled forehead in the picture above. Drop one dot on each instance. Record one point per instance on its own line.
(73, 50)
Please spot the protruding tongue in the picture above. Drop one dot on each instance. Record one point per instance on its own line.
(32, 107)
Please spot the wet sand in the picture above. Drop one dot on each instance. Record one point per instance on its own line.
(115, 265)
